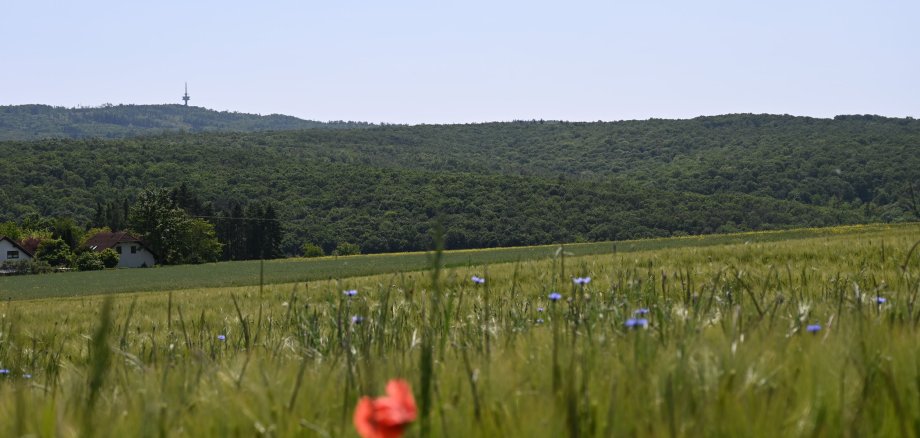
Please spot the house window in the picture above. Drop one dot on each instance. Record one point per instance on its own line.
(12, 254)
(133, 249)
(118, 249)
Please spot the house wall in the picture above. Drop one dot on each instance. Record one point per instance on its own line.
(6, 246)
(128, 260)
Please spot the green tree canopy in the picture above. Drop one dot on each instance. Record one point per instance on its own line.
(55, 252)
(170, 232)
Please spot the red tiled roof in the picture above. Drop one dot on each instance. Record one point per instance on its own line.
(30, 244)
(105, 240)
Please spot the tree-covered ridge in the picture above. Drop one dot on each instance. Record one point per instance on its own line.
(31, 122)
(496, 184)
(818, 161)
(386, 209)
(861, 159)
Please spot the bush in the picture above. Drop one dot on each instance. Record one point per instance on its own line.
(346, 249)
(55, 252)
(22, 267)
(311, 250)
(39, 267)
(109, 258)
(15, 267)
(90, 261)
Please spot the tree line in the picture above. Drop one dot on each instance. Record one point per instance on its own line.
(383, 188)
(182, 228)
(175, 224)
(33, 122)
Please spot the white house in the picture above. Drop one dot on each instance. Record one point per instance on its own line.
(10, 250)
(132, 253)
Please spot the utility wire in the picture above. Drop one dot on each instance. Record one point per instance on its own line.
(248, 218)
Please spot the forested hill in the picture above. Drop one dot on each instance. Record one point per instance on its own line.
(497, 184)
(815, 161)
(31, 122)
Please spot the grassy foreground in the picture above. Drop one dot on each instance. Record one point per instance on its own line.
(726, 351)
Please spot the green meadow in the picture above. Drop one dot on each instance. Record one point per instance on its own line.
(793, 333)
(250, 273)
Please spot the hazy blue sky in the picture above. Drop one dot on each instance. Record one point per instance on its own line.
(434, 62)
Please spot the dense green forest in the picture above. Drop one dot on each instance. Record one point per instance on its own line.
(32, 122)
(496, 184)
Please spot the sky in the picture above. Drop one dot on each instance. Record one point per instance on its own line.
(471, 61)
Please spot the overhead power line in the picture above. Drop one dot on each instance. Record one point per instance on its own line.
(248, 218)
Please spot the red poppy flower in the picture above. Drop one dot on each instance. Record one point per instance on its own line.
(386, 417)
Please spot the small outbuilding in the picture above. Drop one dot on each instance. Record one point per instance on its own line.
(132, 252)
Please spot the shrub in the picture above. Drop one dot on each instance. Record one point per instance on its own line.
(22, 267)
(311, 250)
(15, 267)
(346, 249)
(90, 261)
(55, 252)
(109, 258)
(40, 267)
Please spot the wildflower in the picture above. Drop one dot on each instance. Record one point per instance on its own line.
(813, 328)
(540, 309)
(641, 311)
(636, 323)
(350, 292)
(4, 371)
(221, 338)
(555, 296)
(478, 280)
(357, 319)
(388, 416)
(581, 281)
(539, 320)
(881, 300)
(26, 376)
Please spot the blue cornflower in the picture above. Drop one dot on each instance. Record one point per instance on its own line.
(813, 328)
(539, 320)
(350, 292)
(357, 319)
(641, 311)
(555, 296)
(478, 280)
(221, 338)
(582, 280)
(636, 323)
(4, 371)
(881, 300)
(540, 309)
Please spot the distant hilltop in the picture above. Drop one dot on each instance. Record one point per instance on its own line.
(33, 122)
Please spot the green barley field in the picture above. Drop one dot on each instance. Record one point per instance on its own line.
(795, 333)
(251, 273)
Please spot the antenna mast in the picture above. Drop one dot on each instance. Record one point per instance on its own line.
(186, 97)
